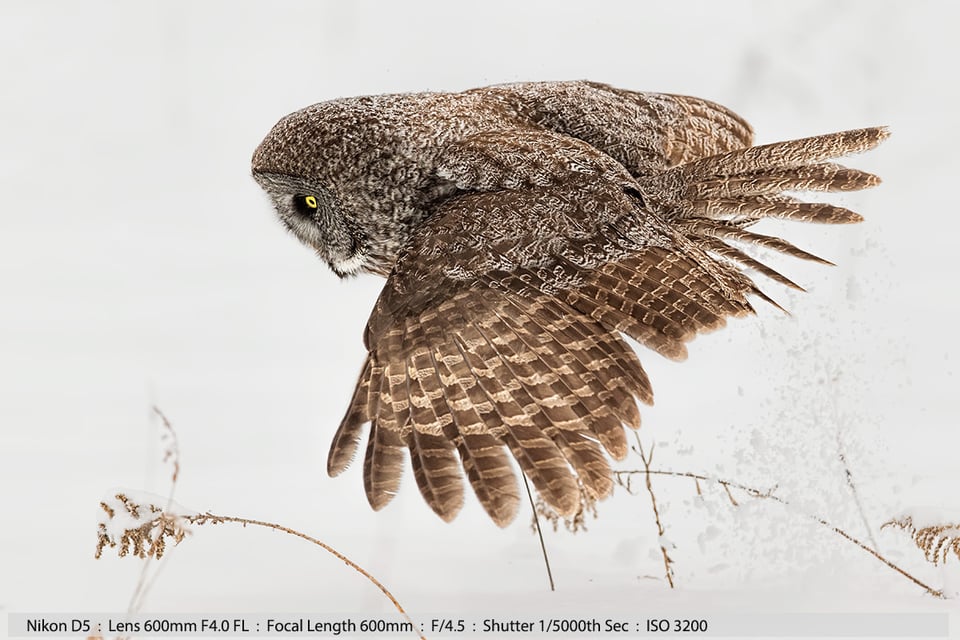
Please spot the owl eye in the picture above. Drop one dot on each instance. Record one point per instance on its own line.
(307, 205)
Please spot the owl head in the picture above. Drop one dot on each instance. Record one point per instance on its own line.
(318, 219)
(300, 165)
(341, 182)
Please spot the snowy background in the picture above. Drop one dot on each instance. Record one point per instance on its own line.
(140, 265)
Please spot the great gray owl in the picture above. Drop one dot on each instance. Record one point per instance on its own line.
(522, 230)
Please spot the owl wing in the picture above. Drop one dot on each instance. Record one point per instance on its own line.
(643, 131)
(498, 334)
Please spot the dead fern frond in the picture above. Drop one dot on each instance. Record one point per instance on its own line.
(124, 527)
(936, 541)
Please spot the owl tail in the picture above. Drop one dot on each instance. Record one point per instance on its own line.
(712, 201)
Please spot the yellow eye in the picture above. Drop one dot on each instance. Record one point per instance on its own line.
(306, 205)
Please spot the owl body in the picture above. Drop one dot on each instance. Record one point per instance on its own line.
(385, 162)
(523, 230)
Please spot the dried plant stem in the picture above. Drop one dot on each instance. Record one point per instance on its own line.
(146, 580)
(853, 490)
(647, 460)
(171, 451)
(171, 456)
(769, 495)
(536, 520)
(216, 519)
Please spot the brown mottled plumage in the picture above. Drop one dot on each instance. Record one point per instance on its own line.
(522, 229)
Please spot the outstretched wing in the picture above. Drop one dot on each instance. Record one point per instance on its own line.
(498, 333)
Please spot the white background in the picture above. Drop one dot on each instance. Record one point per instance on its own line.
(140, 265)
